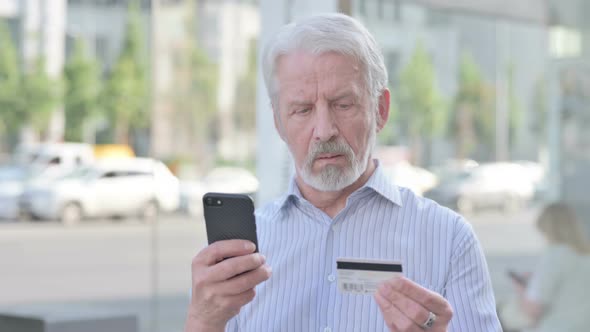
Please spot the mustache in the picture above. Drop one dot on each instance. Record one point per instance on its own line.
(334, 146)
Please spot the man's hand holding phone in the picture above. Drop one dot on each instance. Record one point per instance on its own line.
(224, 276)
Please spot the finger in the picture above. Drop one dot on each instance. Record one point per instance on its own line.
(239, 300)
(410, 308)
(234, 266)
(220, 250)
(395, 319)
(245, 281)
(428, 299)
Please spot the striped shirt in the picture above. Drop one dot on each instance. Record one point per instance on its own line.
(380, 221)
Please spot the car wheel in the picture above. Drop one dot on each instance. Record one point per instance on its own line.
(465, 205)
(149, 211)
(71, 214)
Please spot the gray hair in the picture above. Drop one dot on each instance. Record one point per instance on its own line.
(322, 34)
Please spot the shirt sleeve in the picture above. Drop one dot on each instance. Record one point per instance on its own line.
(469, 289)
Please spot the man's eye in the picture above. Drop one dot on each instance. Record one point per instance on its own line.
(303, 111)
(343, 107)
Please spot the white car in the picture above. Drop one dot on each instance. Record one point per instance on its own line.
(502, 185)
(414, 178)
(118, 187)
(11, 187)
(232, 180)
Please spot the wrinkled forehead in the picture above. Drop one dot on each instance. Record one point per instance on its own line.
(302, 73)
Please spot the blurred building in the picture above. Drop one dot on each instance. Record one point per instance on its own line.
(225, 29)
(569, 97)
(48, 28)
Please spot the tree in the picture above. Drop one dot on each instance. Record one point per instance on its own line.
(82, 91)
(195, 89)
(473, 119)
(40, 94)
(27, 98)
(126, 90)
(422, 107)
(9, 83)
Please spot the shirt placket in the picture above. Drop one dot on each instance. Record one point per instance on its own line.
(326, 273)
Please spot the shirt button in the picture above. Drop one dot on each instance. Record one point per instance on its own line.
(327, 329)
(331, 278)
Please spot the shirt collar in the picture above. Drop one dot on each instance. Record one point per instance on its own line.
(378, 182)
(383, 185)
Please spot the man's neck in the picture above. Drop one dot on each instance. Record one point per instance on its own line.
(332, 202)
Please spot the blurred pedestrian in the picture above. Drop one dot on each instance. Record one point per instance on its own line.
(556, 295)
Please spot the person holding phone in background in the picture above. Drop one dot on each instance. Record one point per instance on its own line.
(556, 295)
(327, 83)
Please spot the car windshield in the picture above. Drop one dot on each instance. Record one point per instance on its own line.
(80, 173)
(12, 173)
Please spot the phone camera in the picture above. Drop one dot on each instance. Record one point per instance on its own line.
(213, 201)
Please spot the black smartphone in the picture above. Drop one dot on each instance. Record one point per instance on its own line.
(518, 278)
(229, 216)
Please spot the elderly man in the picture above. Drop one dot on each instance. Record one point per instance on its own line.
(327, 82)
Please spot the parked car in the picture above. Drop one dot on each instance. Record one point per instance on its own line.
(12, 178)
(493, 185)
(114, 187)
(412, 177)
(233, 180)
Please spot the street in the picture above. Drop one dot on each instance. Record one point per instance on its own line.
(99, 264)
(124, 265)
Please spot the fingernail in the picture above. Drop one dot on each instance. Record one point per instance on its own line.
(250, 246)
(262, 259)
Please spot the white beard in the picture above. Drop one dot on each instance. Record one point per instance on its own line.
(335, 178)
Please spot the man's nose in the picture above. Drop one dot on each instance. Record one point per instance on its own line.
(325, 125)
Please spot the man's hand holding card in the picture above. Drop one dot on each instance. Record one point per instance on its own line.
(405, 305)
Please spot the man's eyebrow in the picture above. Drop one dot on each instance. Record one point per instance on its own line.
(343, 95)
(299, 103)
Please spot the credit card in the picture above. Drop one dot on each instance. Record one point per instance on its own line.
(363, 276)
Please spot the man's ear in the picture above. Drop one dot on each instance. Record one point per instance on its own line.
(277, 121)
(383, 108)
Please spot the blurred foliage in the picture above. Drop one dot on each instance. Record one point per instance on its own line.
(126, 91)
(422, 108)
(195, 90)
(26, 97)
(39, 96)
(515, 110)
(82, 91)
(390, 134)
(10, 77)
(473, 122)
(245, 110)
(540, 110)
